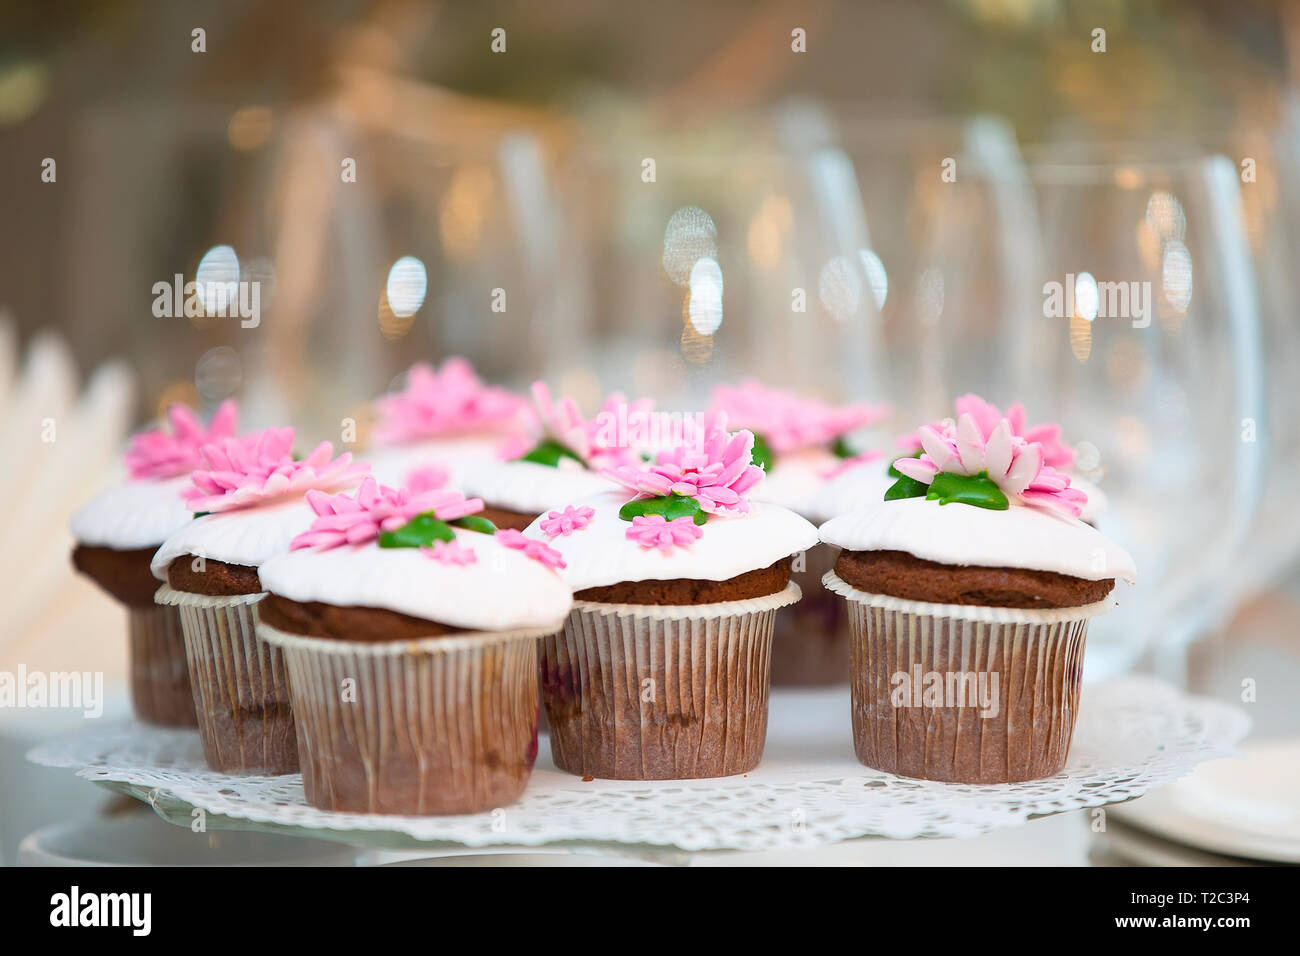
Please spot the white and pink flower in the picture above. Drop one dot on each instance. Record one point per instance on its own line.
(1056, 453)
(259, 468)
(450, 553)
(374, 509)
(532, 548)
(1015, 465)
(158, 454)
(790, 422)
(656, 531)
(564, 523)
(717, 473)
(559, 420)
(449, 402)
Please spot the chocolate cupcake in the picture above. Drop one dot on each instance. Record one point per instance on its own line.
(802, 444)
(970, 588)
(409, 628)
(554, 462)
(250, 498)
(443, 419)
(662, 669)
(117, 534)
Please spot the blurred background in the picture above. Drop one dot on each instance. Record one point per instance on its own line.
(860, 200)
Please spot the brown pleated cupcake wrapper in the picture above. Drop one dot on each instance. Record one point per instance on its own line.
(241, 688)
(810, 644)
(435, 726)
(964, 694)
(160, 677)
(647, 692)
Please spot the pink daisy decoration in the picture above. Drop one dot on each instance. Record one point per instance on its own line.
(375, 508)
(258, 468)
(450, 553)
(531, 547)
(566, 522)
(716, 473)
(158, 454)
(655, 531)
(1015, 465)
(448, 402)
(987, 416)
(594, 443)
(790, 422)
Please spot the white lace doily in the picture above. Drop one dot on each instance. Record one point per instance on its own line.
(1134, 734)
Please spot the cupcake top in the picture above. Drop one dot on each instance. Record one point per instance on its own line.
(248, 499)
(983, 501)
(800, 442)
(421, 553)
(558, 457)
(448, 403)
(142, 511)
(687, 515)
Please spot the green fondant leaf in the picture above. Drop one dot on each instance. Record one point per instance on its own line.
(420, 532)
(978, 490)
(475, 523)
(202, 514)
(906, 487)
(762, 454)
(671, 506)
(841, 449)
(549, 452)
(894, 472)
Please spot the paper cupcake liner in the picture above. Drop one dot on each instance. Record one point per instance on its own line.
(241, 689)
(440, 725)
(810, 644)
(964, 694)
(160, 677)
(647, 692)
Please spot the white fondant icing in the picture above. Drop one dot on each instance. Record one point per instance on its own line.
(530, 488)
(1097, 502)
(795, 481)
(858, 487)
(958, 534)
(602, 554)
(502, 590)
(249, 536)
(133, 515)
(392, 464)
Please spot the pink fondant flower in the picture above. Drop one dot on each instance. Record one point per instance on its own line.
(853, 461)
(375, 508)
(655, 531)
(450, 553)
(603, 441)
(531, 547)
(158, 454)
(1015, 465)
(717, 473)
(788, 421)
(424, 478)
(987, 416)
(451, 401)
(244, 472)
(566, 522)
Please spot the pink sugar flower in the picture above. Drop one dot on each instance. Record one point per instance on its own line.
(566, 522)
(448, 402)
(1015, 465)
(375, 508)
(531, 547)
(1056, 453)
(717, 473)
(158, 454)
(788, 421)
(598, 442)
(450, 553)
(655, 531)
(244, 472)
(424, 478)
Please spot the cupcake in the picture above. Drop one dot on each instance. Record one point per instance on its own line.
(661, 671)
(556, 460)
(802, 444)
(970, 588)
(446, 420)
(409, 627)
(117, 534)
(249, 496)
